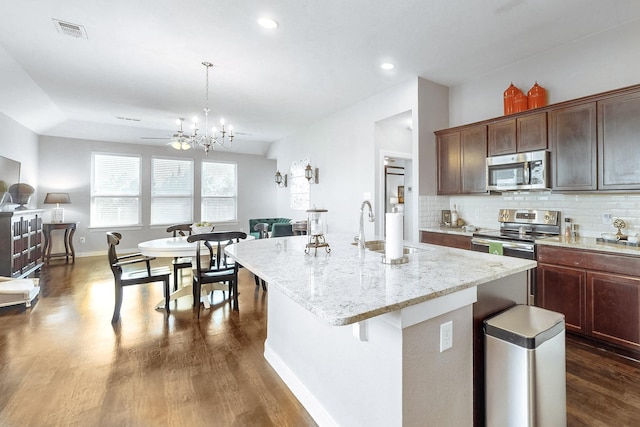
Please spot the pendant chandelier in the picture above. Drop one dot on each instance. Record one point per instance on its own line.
(208, 141)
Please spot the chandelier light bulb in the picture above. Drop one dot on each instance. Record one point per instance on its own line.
(178, 122)
(222, 121)
(195, 119)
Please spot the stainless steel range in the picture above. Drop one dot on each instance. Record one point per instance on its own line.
(519, 228)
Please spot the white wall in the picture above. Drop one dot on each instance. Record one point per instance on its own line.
(20, 144)
(583, 68)
(343, 147)
(66, 166)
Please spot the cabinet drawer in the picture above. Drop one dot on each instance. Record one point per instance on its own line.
(589, 260)
(446, 239)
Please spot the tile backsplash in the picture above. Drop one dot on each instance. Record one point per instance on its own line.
(585, 210)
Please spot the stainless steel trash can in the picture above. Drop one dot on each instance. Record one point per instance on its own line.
(525, 380)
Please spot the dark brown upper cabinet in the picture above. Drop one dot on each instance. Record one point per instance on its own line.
(572, 133)
(619, 142)
(474, 160)
(449, 165)
(502, 137)
(517, 135)
(462, 160)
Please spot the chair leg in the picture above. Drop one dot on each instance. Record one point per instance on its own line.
(257, 279)
(264, 285)
(118, 305)
(167, 293)
(175, 278)
(234, 286)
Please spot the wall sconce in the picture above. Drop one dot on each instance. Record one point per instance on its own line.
(282, 182)
(57, 213)
(311, 174)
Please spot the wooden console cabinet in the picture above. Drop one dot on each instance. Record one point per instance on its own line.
(21, 243)
(599, 293)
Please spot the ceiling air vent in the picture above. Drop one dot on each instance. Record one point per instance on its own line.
(69, 29)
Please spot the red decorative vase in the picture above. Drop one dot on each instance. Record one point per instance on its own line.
(509, 99)
(537, 96)
(520, 102)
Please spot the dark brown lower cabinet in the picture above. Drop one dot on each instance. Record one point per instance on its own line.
(599, 293)
(613, 301)
(563, 289)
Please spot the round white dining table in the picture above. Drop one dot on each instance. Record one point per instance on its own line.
(168, 247)
(171, 247)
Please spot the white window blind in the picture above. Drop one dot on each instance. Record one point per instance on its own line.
(115, 190)
(171, 191)
(219, 192)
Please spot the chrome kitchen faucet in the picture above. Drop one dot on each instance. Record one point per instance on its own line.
(371, 219)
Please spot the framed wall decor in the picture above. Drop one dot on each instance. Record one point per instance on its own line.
(401, 194)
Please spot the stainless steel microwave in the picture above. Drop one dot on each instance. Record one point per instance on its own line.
(521, 171)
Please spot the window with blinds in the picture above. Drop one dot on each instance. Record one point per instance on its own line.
(171, 191)
(219, 192)
(115, 190)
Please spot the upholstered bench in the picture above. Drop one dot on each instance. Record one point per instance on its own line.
(18, 291)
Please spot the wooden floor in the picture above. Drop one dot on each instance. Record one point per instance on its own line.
(62, 363)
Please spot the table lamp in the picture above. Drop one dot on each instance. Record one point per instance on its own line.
(57, 213)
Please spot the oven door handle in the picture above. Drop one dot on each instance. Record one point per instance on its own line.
(524, 247)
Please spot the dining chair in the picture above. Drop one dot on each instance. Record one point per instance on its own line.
(263, 232)
(133, 277)
(218, 272)
(180, 230)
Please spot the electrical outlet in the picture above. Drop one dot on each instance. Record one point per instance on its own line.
(83, 240)
(446, 336)
(606, 218)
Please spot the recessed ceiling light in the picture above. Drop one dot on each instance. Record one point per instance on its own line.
(387, 66)
(268, 23)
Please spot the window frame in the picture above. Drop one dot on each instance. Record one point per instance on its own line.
(93, 197)
(234, 220)
(152, 197)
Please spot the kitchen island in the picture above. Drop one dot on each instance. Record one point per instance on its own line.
(358, 341)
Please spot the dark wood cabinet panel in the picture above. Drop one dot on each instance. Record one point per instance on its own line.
(532, 132)
(562, 289)
(21, 243)
(474, 160)
(572, 133)
(449, 165)
(446, 239)
(502, 137)
(614, 303)
(619, 142)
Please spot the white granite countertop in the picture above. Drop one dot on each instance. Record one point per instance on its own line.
(591, 244)
(347, 286)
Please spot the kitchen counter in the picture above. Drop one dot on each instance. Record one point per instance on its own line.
(591, 244)
(345, 286)
(358, 342)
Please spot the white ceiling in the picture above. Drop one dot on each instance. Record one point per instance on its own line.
(142, 59)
